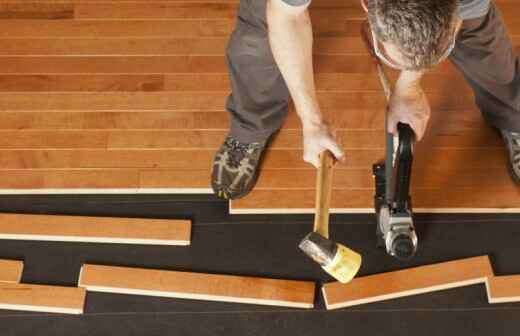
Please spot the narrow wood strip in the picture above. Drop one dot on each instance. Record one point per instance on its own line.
(50, 299)
(210, 101)
(496, 179)
(197, 286)
(95, 229)
(202, 158)
(69, 179)
(150, 10)
(10, 271)
(118, 120)
(72, 83)
(365, 119)
(412, 281)
(503, 289)
(212, 139)
(359, 64)
(36, 10)
(190, 10)
(178, 159)
(116, 28)
(288, 200)
(441, 83)
(322, 26)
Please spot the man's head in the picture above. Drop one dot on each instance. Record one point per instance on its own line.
(416, 34)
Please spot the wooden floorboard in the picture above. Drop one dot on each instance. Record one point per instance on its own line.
(199, 286)
(51, 299)
(95, 229)
(128, 96)
(10, 270)
(503, 289)
(412, 281)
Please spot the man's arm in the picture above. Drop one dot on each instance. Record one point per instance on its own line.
(408, 104)
(290, 37)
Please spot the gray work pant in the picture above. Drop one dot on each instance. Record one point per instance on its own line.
(259, 99)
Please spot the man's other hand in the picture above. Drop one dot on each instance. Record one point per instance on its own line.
(316, 139)
(411, 107)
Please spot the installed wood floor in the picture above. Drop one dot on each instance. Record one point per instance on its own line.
(128, 96)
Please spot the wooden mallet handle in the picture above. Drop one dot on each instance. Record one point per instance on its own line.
(323, 193)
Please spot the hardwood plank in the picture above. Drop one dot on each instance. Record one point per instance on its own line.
(36, 10)
(323, 63)
(202, 158)
(116, 28)
(70, 179)
(197, 286)
(349, 119)
(441, 83)
(346, 200)
(10, 271)
(211, 101)
(151, 10)
(190, 10)
(72, 83)
(503, 289)
(113, 46)
(412, 281)
(70, 120)
(213, 138)
(51, 299)
(95, 229)
(165, 139)
(436, 177)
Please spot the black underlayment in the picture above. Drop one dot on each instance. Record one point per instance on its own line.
(258, 245)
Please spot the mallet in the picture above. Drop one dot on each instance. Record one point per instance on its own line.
(337, 260)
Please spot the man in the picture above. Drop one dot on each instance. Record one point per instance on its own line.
(270, 56)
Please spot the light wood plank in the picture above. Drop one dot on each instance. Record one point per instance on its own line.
(36, 10)
(197, 286)
(503, 289)
(51, 299)
(116, 28)
(70, 179)
(412, 281)
(348, 119)
(209, 101)
(10, 271)
(95, 229)
(291, 201)
(212, 139)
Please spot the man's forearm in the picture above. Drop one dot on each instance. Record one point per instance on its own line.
(290, 37)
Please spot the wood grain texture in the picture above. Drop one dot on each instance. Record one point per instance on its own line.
(198, 286)
(128, 96)
(10, 270)
(503, 289)
(95, 229)
(412, 281)
(51, 299)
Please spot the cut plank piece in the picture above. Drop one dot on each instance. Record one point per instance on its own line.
(11, 270)
(503, 289)
(95, 229)
(50, 299)
(197, 286)
(407, 282)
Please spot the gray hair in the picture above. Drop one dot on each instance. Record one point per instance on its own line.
(420, 29)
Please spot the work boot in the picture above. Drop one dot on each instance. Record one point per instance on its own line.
(235, 168)
(512, 141)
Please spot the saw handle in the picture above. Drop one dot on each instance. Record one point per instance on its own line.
(323, 193)
(402, 171)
